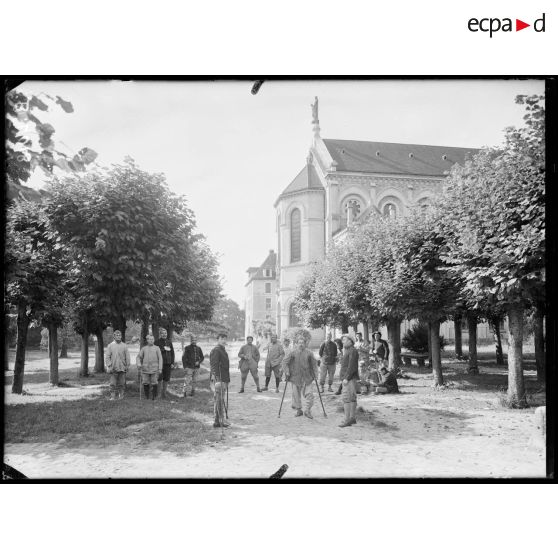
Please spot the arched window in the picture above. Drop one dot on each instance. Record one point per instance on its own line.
(293, 318)
(390, 210)
(295, 235)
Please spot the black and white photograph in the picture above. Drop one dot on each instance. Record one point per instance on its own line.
(275, 279)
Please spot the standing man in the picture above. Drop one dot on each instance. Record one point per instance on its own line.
(249, 357)
(191, 360)
(328, 356)
(118, 362)
(219, 378)
(301, 368)
(349, 373)
(380, 350)
(150, 363)
(363, 348)
(275, 356)
(167, 350)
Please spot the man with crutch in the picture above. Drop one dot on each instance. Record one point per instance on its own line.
(300, 369)
(219, 378)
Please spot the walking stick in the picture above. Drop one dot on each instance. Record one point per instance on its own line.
(227, 406)
(319, 394)
(282, 398)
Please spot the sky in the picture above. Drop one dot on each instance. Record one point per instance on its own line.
(232, 153)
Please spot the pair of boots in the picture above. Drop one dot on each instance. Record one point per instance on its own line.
(350, 414)
(322, 388)
(257, 385)
(267, 380)
(153, 391)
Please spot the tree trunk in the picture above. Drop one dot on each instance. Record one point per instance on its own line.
(394, 342)
(99, 352)
(516, 386)
(144, 331)
(155, 329)
(366, 332)
(472, 366)
(121, 325)
(429, 336)
(6, 341)
(344, 325)
(64, 345)
(53, 354)
(457, 323)
(495, 327)
(540, 357)
(434, 328)
(22, 329)
(170, 332)
(84, 364)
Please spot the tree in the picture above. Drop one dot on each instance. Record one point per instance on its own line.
(134, 252)
(498, 249)
(30, 143)
(35, 270)
(227, 313)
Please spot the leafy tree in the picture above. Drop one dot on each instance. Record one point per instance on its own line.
(229, 314)
(30, 142)
(35, 271)
(498, 249)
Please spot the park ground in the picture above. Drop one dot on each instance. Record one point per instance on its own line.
(462, 430)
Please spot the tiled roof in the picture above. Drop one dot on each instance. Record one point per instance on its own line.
(393, 158)
(258, 272)
(306, 179)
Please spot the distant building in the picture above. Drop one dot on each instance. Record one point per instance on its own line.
(261, 294)
(342, 181)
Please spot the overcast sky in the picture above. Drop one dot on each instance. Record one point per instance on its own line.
(232, 153)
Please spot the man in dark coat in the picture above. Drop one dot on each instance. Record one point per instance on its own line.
(219, 378)
(191, 359)
(380, 350)
(328, 357)
(167, 350)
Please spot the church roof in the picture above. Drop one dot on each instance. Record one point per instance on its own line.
(394, 158)
(306, 179)
(258, 272)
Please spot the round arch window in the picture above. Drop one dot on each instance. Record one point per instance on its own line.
(390, 210)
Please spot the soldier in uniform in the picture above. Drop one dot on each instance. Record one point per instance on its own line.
(249, 357)
(167, 351)
(219, 378)
(275, 356)
(300, 369)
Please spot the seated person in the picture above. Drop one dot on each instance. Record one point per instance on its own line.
(387, 382)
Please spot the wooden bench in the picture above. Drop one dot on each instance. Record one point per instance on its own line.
(419, 357)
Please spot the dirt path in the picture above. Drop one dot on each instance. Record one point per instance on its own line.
(418, 433)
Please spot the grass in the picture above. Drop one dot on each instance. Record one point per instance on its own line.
(178, 427)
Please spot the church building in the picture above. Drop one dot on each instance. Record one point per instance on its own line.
(344, 180)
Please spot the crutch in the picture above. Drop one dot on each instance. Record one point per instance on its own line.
(282, 398)
(319, 394)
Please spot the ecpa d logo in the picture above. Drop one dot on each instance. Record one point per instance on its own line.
(492, 25)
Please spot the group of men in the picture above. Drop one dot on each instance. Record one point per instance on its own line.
(155, 361)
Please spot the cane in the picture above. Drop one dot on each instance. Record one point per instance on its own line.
(227, 406)
(319, 394)
(282, 398)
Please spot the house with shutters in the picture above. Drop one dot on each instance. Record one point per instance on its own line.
(342, 181)
(261, 294)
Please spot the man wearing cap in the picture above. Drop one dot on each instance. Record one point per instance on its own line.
(219, 378)
(328, 357)
(275, 356)
(349, 373)
(167, 350)
(118, 362)
(249, 357)
(380, 350)
(191, 360)
(301, 369)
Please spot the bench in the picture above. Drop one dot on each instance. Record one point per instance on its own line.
(419, 357)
